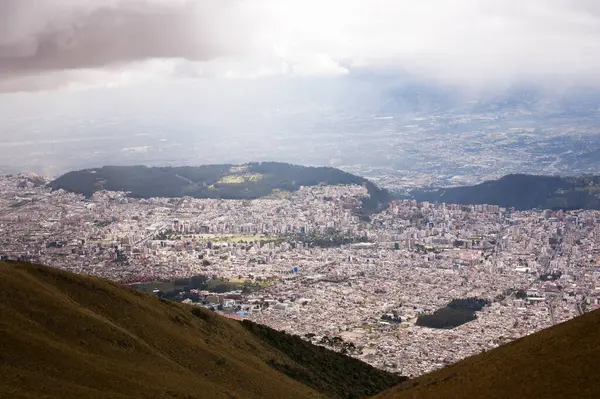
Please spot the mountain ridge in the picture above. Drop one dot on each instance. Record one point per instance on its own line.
(522, 191)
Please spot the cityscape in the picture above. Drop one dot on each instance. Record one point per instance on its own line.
(254, 199)
(304, 262)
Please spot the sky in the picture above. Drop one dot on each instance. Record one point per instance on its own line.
(93, 82)
(78, 44)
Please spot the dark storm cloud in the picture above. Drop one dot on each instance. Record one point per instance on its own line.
(42, 36)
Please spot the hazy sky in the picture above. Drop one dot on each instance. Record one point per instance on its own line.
(45, 44)
(93, 82)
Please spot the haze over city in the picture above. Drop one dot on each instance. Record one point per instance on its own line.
(371, 87)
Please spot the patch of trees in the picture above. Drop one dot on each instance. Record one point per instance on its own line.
(474, 304)
(459, 243)
(102, 223)
(335, 374)
(555, 275)
(214, 284)
(338, 342)
(163, 235)
(422, 248)
(456, 313)
(121, 258)
(392, 318)
(521, 294)
(328, 240)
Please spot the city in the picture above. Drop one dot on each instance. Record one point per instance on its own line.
(299, 199)
(304, 262)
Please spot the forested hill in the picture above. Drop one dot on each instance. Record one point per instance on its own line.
(523, 192)
(249, 181)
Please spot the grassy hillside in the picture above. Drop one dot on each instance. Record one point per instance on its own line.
(523, 192)
(69, 336)
(560, 362)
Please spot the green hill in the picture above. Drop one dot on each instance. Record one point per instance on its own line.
(68, 336)
(522, 192)
(560, 362)
(250, 181)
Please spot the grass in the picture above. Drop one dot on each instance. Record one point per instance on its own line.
(69, 336)
(240, 179)
(559, 362)
(226, 238)
(232, 179)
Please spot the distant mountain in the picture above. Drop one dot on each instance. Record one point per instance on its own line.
(522, 192)
(559, 362)
(68, 336)
(249, 181)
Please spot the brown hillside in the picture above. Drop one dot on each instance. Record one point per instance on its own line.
(560, 362)
(69, 336)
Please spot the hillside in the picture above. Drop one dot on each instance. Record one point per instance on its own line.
(560, 362)
(250, 181)
(522, 192)
(69, 336)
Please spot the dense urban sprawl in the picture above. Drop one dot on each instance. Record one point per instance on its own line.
(319, 271)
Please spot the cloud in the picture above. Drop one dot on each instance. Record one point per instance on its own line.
(40, 39)
(46, 42)
(42, 35)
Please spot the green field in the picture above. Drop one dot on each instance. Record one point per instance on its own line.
(226, 238)
(241, 179)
